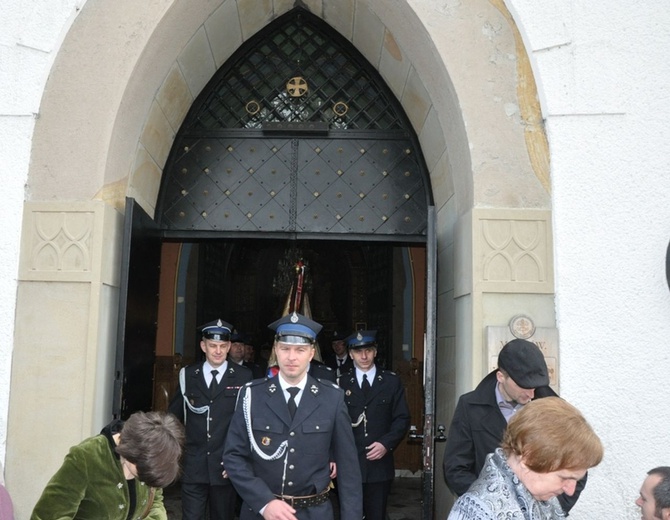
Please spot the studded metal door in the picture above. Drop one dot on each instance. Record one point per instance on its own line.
(346, 186)
(296, 133)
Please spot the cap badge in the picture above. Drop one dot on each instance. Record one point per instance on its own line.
(359, 336)
(294, 318)
(219, 323)
(265, 441)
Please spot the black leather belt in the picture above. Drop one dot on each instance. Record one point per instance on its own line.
(306, 501)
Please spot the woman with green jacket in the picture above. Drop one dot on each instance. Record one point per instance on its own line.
(117, 475)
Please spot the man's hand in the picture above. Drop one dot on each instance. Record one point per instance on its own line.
(333, 470)
(376, 451)
(278, 510)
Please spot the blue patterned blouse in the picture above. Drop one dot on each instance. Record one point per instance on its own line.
(498, 494)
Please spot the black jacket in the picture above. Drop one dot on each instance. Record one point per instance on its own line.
(387, 417)
(476, 430)
(202, 453)
(320, 370)
(331, 361)
(319, 432)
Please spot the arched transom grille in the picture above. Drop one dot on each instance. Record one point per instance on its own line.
(299, 71)
(297, 133)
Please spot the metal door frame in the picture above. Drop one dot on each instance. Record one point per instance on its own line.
(429, 369)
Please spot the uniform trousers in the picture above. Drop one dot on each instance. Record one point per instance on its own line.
(375, 496)
(221, 499)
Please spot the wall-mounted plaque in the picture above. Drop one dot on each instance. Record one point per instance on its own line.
(521, 327)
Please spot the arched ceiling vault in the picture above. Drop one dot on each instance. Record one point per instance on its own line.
(128, 71)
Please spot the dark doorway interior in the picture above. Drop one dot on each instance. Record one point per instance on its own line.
(348, 285)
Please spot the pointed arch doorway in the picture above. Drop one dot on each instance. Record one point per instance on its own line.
(295, 144)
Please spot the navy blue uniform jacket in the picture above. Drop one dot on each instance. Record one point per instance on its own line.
(319, 432)
(331, 361)
(201, 460)
(387, 420)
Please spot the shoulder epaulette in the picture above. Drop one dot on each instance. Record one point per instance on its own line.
(235, 366)
(327, 383)
(256, 382)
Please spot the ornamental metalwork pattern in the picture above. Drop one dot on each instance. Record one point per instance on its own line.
(297, 133)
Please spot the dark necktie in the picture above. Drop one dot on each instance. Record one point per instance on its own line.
(292, 406)
(214, 383)
(366, 384)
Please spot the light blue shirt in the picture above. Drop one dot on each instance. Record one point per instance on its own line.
(207, 371)
(370, 373)
(284, 385)
(508, 409)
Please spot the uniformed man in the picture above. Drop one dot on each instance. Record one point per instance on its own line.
(205, 402)
(339, 359)
(380, 419)
(286, 432)
(237, 354)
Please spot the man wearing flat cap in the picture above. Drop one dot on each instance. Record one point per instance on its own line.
(205, 402)
(481, 416)
(285, 433)
(380, 419)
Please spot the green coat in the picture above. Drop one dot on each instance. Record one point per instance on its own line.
(90, 485)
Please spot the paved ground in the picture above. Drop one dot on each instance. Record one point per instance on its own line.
(404, 502)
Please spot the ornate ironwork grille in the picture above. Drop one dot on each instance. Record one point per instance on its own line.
(297, 133)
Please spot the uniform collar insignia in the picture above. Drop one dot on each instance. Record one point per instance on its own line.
(272, 388)
(314, 389)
